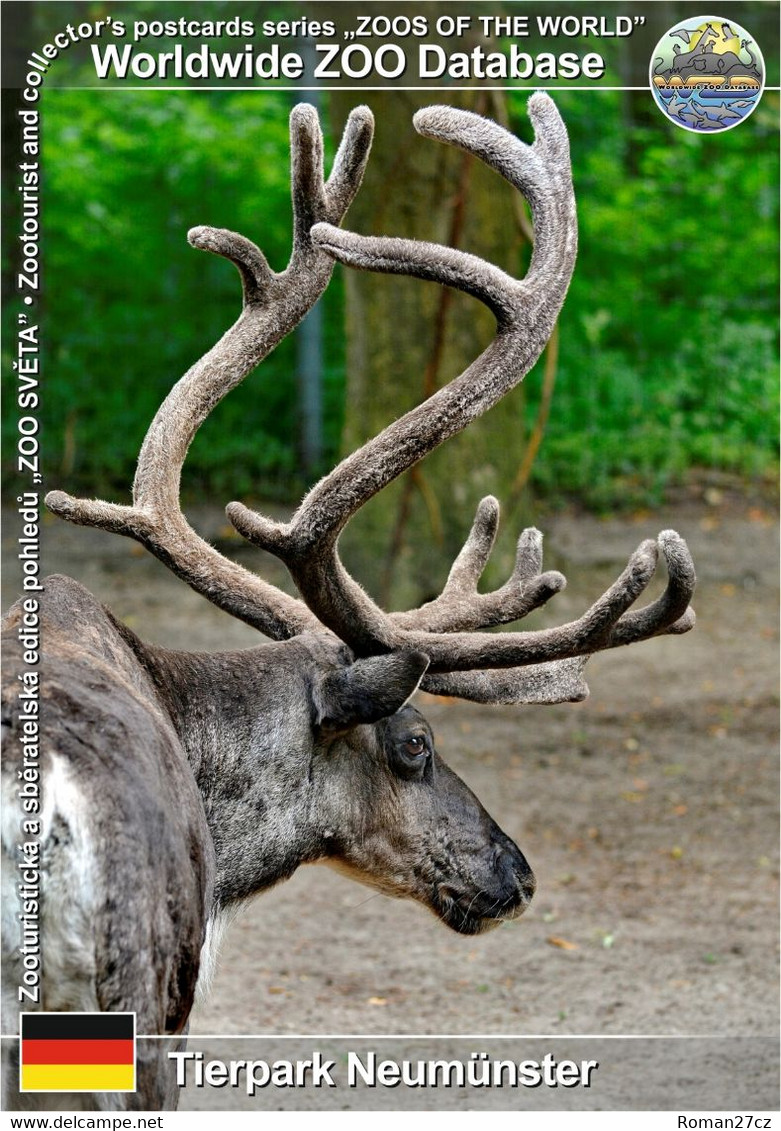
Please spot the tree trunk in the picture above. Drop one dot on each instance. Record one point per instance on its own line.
(406, 338)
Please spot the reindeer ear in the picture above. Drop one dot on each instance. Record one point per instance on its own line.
(368, 690)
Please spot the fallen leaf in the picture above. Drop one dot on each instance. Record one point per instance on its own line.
(562, 944)
(377, 1001)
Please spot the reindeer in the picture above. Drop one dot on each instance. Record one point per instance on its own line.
(178, 785)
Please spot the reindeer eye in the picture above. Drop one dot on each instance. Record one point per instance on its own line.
(415, 745)
(410, 755)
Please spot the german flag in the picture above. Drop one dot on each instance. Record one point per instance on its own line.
(77, 1052)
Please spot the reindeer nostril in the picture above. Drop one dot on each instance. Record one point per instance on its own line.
(528, 886)
(512, 869)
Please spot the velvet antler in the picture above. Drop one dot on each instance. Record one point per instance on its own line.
(525, 311)
(539, 666)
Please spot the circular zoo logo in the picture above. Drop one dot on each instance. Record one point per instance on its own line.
(707, 74)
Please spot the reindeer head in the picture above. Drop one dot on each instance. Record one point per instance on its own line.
(394, 816)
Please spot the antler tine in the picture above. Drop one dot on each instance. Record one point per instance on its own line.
(672, 608)
(607, 624)
(460, 607)
(562, 681)
(273, 305)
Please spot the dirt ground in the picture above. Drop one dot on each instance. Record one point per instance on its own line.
(649, 815)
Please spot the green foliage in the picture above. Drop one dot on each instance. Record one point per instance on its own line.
(668, 352)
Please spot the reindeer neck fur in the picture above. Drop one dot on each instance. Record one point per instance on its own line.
(244, 719)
